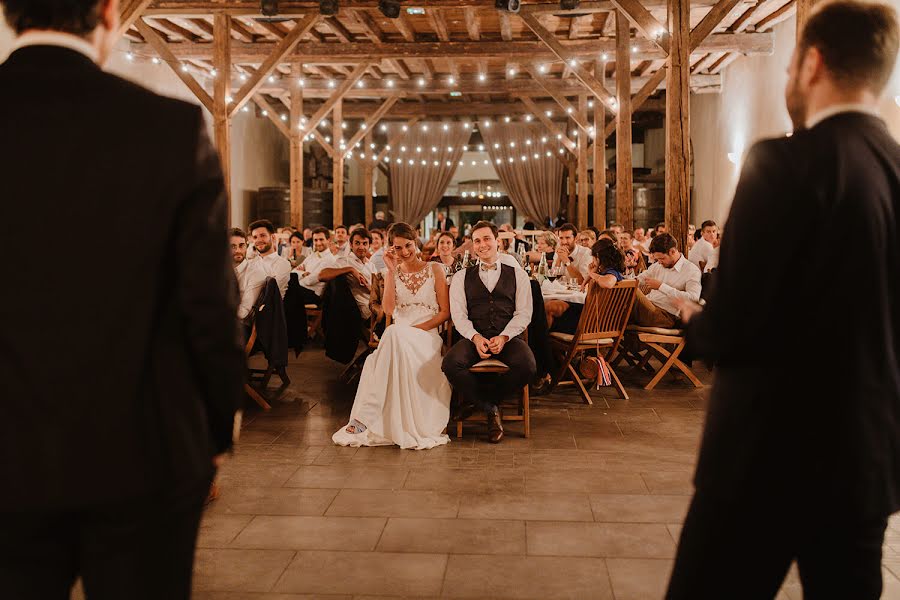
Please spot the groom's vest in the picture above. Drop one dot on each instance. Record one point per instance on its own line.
(491, 311)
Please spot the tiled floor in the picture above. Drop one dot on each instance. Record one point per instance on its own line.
(589, 507)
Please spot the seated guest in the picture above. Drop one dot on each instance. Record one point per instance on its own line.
(607, 266)
(634, 259)
(576, 259)
(297, 250)
(357, 268)
(460, 238)
(705, 253)
(587, 238)
(506, 239)
(446, 244)
(609, 234)
(427, 252)
(308, 272)
(616, 228)
(267, 261)
(671, 277)
(641, 241)
(248, 290)
(307, 237)
(377, 248)
(491, 307)
(339, 244)
(545, 245)
(380, 222)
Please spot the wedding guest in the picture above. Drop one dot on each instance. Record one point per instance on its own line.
(670, 279)
(576, 259)
(237, 241)
(660, 228)
(640, 238)
(445, 247)
(107, 455)
(380, 222)
(377, 249)
(491, 307)
(616, 228)
(546, 244)
(267, 261)
(297, 250)
(339, 244)
(454, 230)
(307, 237)
(248, 289)
(357, 267)
(320, 258)
(444, 223)
(609, 234)
(587, 238)
(607, 266)
(705, 253)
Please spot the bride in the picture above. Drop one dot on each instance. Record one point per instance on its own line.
(403, 396)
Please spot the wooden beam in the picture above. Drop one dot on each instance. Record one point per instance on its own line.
(337, 172)
(678, 136)
(272, 114)
(599, 154)
(549, 124)
(296, 114)
(369, 26)
(436, 19)
(327, 147)
(404, 27)
(175, 29)
(338, 29)
(709, 23)
(368, 168)
(162, 49)
(782, 14)
(644, 22)
(400, 67)
(395, 138)
(372, 121)
(450, 110)
(221, 91)
(473, 24)
(239, 31)
(567, 107)
(804, 8)
(571, 172)
(624, 175)
(130, 16)
(580, 72)
(335, 99)
(505, 26)
(584, 186)
(282, 49)
(336, 53)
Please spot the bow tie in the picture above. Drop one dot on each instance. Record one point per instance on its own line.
(487, 267)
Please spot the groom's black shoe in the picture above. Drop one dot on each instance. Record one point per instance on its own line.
(495, 428)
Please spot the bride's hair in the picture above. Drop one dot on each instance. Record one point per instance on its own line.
(403, 230)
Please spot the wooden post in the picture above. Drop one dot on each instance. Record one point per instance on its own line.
(583, 186)
(678, 141)
(369, 167)
(221, 121)
(599, 156)
(337, 185)
(570, 207)
(296, 147)
(804, 7)
(624, 195)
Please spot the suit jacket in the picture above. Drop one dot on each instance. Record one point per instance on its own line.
(271, 324)
(445, 225)
(341, 321)
(806, 401)
(120, 371)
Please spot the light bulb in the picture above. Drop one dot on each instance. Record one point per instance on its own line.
(271, 79)
(405, 128)
(446, 127)
(184, 68)
(506, 119)
(265, 113)
(451, 80)
(542, 69)
(390, 83)
(528, 118)
(511, 72)
(130, 56)
(421, 82)
(569, 110)
(154, 60)
(331, 83)
(482, 77)
(243, 77)
(361, 83)
(383, 127)
(549, 113)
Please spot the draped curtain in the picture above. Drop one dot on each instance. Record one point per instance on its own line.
(422, 165)
(533, 184)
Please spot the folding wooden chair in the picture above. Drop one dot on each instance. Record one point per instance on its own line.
(666, 345)
(313, 321)
(600, 331)
(256, 396)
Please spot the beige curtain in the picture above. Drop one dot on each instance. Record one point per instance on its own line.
(533, 184)
(422, 165)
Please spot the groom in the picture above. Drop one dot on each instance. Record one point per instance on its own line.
(491, 306)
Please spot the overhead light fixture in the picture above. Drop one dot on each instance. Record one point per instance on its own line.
(269, 8)
(415, 10)
(389, 8)
(508, 5)
(569, 4)
(328, 8)
(455, 94)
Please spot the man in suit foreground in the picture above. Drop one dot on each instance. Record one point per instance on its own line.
(120, 378)
(800, 458)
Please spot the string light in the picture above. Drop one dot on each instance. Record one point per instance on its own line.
(390, 83)
(572, 62)
(542, 69)
(154, 60)
(243, 77)
(301, 82)
(383, 127)
(214, 73)
(265, 113)
(451, 80)
(482, 77)
(506, 119)
(331, 83)
(405, 128)
(549, 113)
(604, 56)
(421, 82)
(130, 56)
(446, 127)
(271, 79)
(184, 68)
(528, 118)
(360, 84)
(511, 72)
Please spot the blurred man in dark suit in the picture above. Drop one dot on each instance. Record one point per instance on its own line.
(120, 377)
(800, 459)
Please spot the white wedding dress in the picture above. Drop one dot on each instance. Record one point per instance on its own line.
(403, 397)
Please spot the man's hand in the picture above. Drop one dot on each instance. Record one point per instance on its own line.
(649, 284)
(482, 346)
(496, 343)
(362, 279)
(687, 309)
(562, 254)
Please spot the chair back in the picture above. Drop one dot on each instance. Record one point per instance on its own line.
(606, 311)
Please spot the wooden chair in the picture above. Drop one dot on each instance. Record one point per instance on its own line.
(256, 396)
(313, 321)
(600, 331)
(521, 410)
(664, 344)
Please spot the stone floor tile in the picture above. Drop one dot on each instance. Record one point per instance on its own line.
(625, 540)
(239, 570)
(632, 508)
(273, 501)
(529, 507)
(394, 503)
(453, 536)
(639, 578)
(217, 530)
(478, 480)
(584, 481)
(669, 482)
(311, 533)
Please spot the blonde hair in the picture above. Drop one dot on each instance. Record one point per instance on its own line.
(550, 239)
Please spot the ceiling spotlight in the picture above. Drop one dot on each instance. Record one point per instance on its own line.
(328, 8)
(269, 8)
(389, 8)
(569, 4)
(509, 5)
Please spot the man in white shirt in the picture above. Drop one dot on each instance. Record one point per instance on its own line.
(671, 278)
(491, 307)
(249, 290)
(308, 271)
(340, 246)
(358, 269)
(252, 273)
(576, 258)
(705, 253)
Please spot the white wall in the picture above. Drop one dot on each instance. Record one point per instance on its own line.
(750, 108)
(260, 154)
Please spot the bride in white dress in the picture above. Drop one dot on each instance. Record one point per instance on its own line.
(403, 396)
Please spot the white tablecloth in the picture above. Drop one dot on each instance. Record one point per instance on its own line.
(553, 290)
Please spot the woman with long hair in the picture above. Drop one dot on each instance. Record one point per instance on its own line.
(403, 397)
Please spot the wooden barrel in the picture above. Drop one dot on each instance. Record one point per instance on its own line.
(648, 204)
(274, 204)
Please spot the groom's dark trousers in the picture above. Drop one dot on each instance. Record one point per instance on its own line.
(516, 355)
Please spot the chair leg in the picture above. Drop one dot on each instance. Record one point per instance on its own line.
(577, 378)
(616, 383)
(459, 425)
(526, 411)
(256, 397)
(671, 358)
(681, 366)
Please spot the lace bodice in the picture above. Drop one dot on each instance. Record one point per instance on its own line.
(415, 293)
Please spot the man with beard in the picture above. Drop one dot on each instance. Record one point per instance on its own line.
(569, 254)
(358, 269)
(310, 285)
(267, 262)
(800, 459)
(339, 246)
(238, 243)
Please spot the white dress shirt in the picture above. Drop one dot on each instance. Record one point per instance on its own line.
(377, 259)
(278, 267)
(360, 294)
(312, 266)
(56, 38)
(681, 281)
(703, 252)
(581, 259)
(459, 308)
(250, 281)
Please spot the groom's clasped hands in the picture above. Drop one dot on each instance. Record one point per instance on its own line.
(487, 347)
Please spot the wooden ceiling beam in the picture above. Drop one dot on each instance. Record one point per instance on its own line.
(644, 22)
(404, 27)
(550, 125)
(130, 14)
(272, 114)
(782, 14)
(395, 139)
(368, 25)
(282, 49)
(712, 20)
(338, 29)
(338, 95)
(473, 23)
(439, 110)
(560, 99)
(436, 19)
(505, 26)
(174, 29)
(372, 121)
